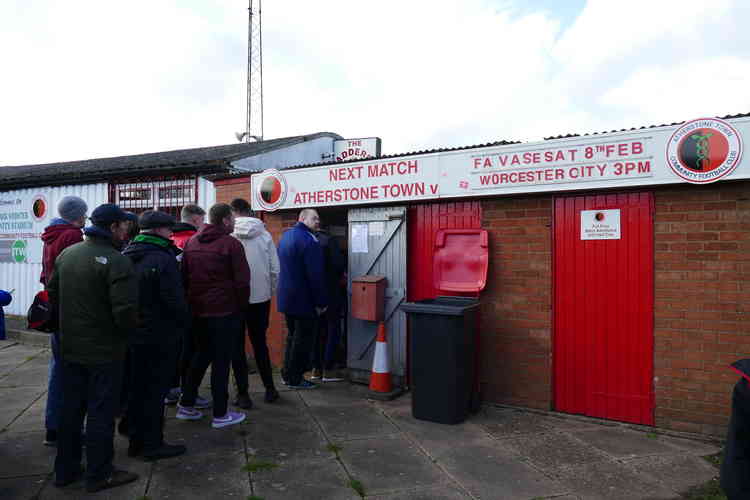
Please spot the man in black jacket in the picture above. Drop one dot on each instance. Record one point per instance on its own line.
(153, 346)
(735, 469)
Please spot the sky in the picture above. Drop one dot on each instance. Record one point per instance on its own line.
(95, 78)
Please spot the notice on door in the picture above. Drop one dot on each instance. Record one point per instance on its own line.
(600, 224)
(359, 238)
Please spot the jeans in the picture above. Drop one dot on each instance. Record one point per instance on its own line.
(216, 341)
(329, 328)
(299, 344)
(93, 392)
(54, 386)
(151, 368)
(256, 320)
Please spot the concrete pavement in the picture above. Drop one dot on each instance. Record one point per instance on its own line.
(332, 443)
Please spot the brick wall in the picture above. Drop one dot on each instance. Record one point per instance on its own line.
(516, 309)
(229, 189)
(702, 281)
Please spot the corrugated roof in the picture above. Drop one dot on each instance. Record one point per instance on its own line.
(230, 175)
(205, 160)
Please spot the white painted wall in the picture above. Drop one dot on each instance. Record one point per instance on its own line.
(24, 278)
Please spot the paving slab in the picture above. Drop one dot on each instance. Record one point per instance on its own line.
(26, 487)
(13, 357)
(503, 423)
(335, 393)
(693, 447)
(15, 401)
(353, 421)
(611, 480)
(389, 464)
(317, 479)
(553, 450)
(447, 492)
(33, 418)
(436, 438)
(199, 437)
(677, 472)
(488, 470)
(32, 373)
(22, 454)
(7, 343)
(285, 440)
(204, 476)
(624, 443)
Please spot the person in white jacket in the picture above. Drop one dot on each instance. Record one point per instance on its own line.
(260, 252)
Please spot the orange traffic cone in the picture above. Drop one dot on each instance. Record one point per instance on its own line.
(381, 386)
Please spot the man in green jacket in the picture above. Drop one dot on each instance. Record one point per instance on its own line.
(94, 295)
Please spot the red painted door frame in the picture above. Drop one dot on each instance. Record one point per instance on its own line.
(603, 310)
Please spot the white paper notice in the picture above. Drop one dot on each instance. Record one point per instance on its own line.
(600, 224)
(359, 238)
(377, 228)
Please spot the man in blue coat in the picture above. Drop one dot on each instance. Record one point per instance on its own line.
(302, 294)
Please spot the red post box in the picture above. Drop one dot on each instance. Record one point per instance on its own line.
(368, 296)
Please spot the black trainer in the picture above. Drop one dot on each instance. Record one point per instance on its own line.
(117, 478)
(135, 449)
(243, 401)
(271, 395)
(164, 451)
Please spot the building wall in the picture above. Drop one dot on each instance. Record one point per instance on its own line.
(702, 281)
(702, 297)
(516, 310)
(23, 278)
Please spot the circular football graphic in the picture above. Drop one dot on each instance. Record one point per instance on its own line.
(704, 150)
(39, 207)
(270, 192)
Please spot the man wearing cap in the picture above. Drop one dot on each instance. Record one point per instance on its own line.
(93, 292)
(62, 232)
(163, 315)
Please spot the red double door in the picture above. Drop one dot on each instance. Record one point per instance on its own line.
(603, 306)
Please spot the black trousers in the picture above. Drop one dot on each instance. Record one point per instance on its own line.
(256, 320)
(216, 341)
(299, 345)
(91, 391)
(151, 368)
(186, 350)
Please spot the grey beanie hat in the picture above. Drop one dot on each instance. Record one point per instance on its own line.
(72, 208)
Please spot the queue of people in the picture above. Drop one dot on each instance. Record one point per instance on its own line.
(142, 306)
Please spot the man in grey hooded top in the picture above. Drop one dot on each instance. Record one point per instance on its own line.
(263, 260)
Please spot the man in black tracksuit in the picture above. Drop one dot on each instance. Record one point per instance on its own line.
(153, 346)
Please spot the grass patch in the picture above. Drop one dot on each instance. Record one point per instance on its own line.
(357, 486)
(652, 435)
(334, 448)
(709, 491)
(716, 459)
(259, 465)
(144, 497)
(253, 497)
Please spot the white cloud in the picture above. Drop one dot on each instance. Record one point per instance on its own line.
(94, 78)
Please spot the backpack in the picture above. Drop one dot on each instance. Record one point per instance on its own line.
(39, 316)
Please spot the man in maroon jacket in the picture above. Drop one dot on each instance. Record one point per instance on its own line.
(217, 280)
(59, 235)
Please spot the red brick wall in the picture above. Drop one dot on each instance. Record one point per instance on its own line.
(516, 309)
(702, 238)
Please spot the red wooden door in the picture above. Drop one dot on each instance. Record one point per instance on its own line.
(603, 309)
(424, 222)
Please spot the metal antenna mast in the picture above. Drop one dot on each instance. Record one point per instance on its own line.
(254, 129)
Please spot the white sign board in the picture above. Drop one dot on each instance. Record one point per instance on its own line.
(600, 224)
(23, 217)
(359, 238)
(356, 149)
(707, 149)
